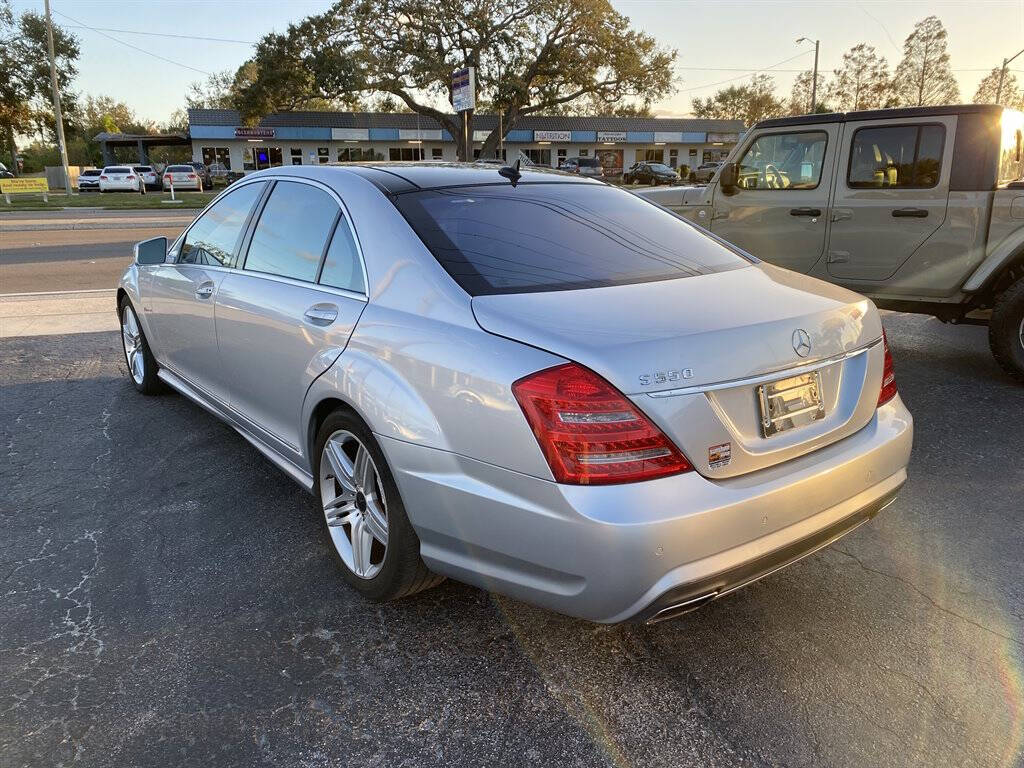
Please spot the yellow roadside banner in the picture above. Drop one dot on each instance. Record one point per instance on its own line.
(23, 185)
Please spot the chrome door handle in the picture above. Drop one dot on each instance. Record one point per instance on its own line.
(322, 314)
(204, 291)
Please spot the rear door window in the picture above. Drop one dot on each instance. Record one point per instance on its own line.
(342, 266)
(212, 240)
(292, 231)
(896, 156)
(550, 237)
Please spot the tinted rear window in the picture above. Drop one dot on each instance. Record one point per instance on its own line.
(551, 237)
(143, 168)
(589, 162)
(90, 173)
(180, 169)
(117, 170)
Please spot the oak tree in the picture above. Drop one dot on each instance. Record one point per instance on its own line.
(530, 57)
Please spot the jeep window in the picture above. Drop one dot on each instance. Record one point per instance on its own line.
(896, 156)
(783, 161)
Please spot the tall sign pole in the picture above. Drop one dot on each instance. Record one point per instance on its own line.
(56, 102)
(464, 102)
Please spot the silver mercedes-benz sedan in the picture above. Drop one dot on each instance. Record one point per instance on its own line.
(532, 382)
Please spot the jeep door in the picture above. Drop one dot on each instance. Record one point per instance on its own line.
(891, 194)
(779, 210)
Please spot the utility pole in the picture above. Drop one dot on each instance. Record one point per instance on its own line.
(814, 80)
(56, 101)
(1002, 74)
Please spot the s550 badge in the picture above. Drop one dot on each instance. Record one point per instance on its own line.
(663, 377)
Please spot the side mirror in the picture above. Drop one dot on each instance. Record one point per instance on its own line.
(152, 251)
(729, 177)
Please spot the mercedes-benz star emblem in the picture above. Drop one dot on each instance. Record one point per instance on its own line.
(801, 342)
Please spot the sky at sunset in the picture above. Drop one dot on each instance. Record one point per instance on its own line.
(719, 43)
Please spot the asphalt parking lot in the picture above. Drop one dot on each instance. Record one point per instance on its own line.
(169, 600)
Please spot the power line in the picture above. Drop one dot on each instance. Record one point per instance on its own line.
(159, 34)
(135, 47)
(748, 72)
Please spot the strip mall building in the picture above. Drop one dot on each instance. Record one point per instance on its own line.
(308, 138)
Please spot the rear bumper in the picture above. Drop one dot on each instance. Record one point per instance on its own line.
(634, 551)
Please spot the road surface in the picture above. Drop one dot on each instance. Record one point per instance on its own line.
(169, 599)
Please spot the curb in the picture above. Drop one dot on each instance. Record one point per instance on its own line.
(181, 221)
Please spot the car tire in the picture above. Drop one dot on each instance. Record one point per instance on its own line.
(400, 571)
(138, 356)
(1006, 330)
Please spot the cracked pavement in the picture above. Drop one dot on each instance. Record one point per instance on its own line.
(168, 599)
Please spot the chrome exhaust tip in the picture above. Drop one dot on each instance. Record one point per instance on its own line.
(678, 609)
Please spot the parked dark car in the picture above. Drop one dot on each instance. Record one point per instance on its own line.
(204, 174)
(650, 173)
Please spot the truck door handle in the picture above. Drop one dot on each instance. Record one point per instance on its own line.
(322, 314)
(910, 213)
(204, 291)
(805, 211)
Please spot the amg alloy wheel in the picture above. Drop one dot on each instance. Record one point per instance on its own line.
(363, 511)
(142, 367)
(355, 506)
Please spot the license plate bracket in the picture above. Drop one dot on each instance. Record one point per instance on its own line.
(790, 403)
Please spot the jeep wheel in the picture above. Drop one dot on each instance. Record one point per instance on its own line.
(1006, 330)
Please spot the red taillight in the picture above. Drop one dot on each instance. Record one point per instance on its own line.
(191, 175)
(888, 391)
(590, 433)
(104, 178)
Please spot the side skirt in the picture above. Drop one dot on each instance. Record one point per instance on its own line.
(299, 475)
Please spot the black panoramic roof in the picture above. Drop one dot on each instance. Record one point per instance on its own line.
(880, 114)
(394, 178)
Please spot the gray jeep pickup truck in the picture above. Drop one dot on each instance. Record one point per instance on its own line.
(921, 209)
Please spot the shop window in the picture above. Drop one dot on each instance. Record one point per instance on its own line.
(584, 152)
(673, 158)
(539, 156)
(405, 153)
(258, 158)
(296, 155)
(323, 155)
(654, 155)
(436, 153)
(215, 155)
(561, 155)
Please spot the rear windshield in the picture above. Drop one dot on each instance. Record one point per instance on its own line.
(589, 162)
(117, 169)
(554, 237)
(180, 169)
(143, 168)
(90, 172)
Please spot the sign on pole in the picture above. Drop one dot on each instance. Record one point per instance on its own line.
(464, 89)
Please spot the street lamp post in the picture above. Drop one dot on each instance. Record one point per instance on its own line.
(1002, 74)
(814, 80)
(56, 102)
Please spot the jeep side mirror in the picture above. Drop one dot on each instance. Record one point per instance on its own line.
(729, 177)
(152, 251)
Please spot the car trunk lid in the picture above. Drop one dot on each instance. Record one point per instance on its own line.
(691, 354)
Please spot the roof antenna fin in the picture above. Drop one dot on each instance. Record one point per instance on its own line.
(511, 172)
